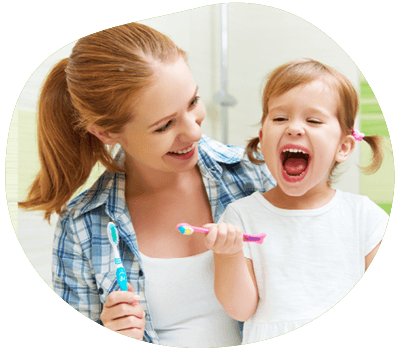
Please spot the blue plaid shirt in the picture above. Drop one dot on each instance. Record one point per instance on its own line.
(83, 268)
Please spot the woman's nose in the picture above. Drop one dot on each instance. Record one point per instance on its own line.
(191, 128)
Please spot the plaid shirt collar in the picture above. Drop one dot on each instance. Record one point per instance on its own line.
(109, 189)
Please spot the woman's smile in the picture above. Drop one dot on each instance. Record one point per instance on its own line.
(185, 153)
(184, 150)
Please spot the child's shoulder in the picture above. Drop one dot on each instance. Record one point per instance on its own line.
(241, 209)
(246, 202)
(363, 204)
(355, 198)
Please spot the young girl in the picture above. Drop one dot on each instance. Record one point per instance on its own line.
(319, 240)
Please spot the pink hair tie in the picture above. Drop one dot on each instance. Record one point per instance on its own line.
(358, 135)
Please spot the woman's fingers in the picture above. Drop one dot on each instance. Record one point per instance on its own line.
(124, 318)
(121, 297)
(123, 313)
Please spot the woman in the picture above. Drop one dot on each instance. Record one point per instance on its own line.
(130, 85)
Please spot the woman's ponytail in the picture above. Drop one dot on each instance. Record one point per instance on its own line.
(95, 86)
(67, 155)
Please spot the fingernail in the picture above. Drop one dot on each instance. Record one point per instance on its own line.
(136, 296)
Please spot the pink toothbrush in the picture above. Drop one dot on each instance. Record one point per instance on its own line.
(187, 229)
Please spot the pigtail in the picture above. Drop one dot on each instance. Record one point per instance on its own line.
(376, 143)
(67, 155)
(252, 149)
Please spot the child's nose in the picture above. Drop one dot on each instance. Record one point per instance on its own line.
(295, 129)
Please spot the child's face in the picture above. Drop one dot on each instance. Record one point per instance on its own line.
(301, 137)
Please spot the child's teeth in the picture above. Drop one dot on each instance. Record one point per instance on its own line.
(292, 150)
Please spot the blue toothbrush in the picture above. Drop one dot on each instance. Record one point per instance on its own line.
(121, 274)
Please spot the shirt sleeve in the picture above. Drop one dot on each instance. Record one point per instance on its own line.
(261, 172)
(268, 180)
(73, 279)
(376, 220)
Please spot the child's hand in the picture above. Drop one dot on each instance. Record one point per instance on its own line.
(122, 313)
(224, 238)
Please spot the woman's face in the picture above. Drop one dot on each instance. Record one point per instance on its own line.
(166, 122)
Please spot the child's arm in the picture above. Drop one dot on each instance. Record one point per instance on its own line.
(235, 284)
(371, 256)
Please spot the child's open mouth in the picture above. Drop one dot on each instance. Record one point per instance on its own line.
(295, 161)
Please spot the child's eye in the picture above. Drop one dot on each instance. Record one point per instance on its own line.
(165, 127)
(279, 119)
(314, 121)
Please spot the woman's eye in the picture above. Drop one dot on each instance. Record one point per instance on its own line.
(172, 121)
(165, 127)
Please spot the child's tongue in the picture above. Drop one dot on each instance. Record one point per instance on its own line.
(295, 166)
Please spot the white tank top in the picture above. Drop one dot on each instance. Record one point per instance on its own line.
(183, 307)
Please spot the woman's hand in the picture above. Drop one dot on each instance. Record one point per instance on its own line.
(224, 238)
(122, 313)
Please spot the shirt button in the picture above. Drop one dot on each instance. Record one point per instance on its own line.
(101, 291)
(140, 273)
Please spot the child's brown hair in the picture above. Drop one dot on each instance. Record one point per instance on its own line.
(95, 86)
(303, 71)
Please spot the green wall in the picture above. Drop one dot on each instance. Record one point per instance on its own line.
(380, 186)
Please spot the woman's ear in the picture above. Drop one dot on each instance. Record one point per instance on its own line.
(104, 136)
(345, 148)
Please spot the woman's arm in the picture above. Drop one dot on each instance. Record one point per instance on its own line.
(73, 278)
(235, 284)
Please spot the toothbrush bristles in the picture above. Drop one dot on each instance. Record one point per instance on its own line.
(185, 229)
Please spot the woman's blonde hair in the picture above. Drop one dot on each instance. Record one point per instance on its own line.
(303, 71)
(95, 86)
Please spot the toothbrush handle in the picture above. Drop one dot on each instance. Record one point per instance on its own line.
(121, 278)
(256, 238)
(200, 229)
(246, 238)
